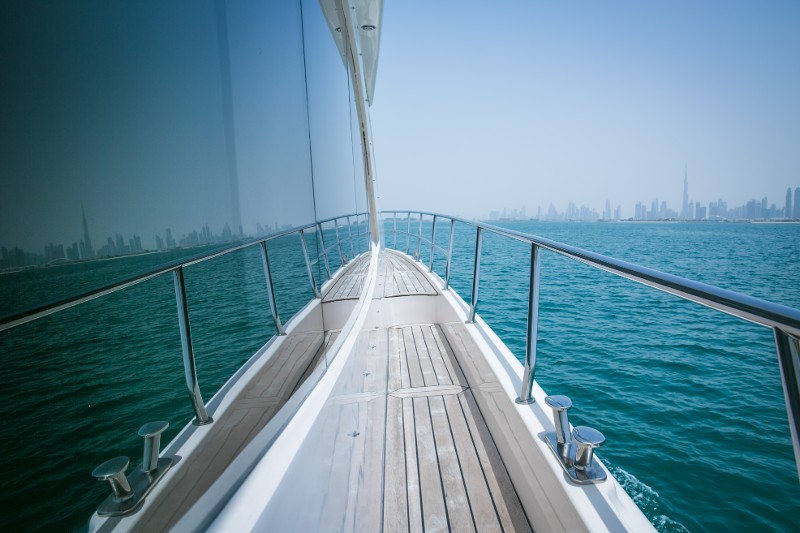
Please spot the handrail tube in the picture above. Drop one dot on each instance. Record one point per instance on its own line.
(433, 242)
(476, 274)
(783, 320)
(189, 364)
(748, 308)
(449, 255)
(394, 220)
(273, 304)
(28, 315)
(308, 265)
(425, 240)
(529, 369)
(788, 348)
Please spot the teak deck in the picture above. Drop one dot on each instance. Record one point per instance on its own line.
(400, 444)
(250, 412)
(443, 471)
(398, 276)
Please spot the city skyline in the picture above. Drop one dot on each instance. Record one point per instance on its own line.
(17, 256)
(584, 102)
(787, 208)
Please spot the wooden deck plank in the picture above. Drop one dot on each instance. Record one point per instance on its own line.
(405, 276)
(425, 363)
(400, 282)
(455, 494)
(435, 390)
(443, 342)
(395, 493)
(509, 509)
(416, 378)
(349, 282)
(414, 498)
(396, 357)
(480, 499)
(434, 511)
(437, 356)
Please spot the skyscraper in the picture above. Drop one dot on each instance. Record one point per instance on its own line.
(87, 241)
(685, 215)
(796, 209)
(787, 210)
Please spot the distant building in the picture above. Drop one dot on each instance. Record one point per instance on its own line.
(699, 212)
(685, 214)
(87, 251)
(787, 210)
(796, 209)
(73, 252)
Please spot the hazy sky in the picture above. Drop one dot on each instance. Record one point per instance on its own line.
(175, 114)
(483, 106)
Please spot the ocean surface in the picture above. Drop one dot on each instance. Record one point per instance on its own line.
(690, 400)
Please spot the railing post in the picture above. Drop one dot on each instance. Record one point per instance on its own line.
(273, 304)
(408, 232)
(308, 265)
(338, 242)
(350, 235)
(189, 366)
(476, 274)
(533, 328)
(419, 239)
(395, 229)
(358, 231)
(368, 233)
(788, 348)
(324, 250)
(433, 243)
(449, 255)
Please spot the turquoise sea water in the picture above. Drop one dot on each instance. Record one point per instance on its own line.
(690, 400)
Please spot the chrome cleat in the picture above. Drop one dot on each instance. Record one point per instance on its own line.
(574, 449)
(128, 494)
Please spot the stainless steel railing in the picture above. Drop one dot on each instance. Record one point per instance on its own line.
(784, 321)
(177, 270)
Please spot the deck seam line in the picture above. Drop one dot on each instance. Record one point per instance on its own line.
(463, 398)
(438, 462)
(460, 468)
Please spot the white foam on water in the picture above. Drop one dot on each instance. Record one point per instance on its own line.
(646, 498)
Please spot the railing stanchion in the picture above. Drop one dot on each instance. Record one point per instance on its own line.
(408, 232)
(533, 329)
(476, 275)
(338, 242)
(324, 250)
(350, 234)
(273, 304)
(368, 233)
(449, 255)
(419, 239)
(788, 348)
(308, 265)
(433, 243)
(395, 229)
(358, 231)
(189, 365)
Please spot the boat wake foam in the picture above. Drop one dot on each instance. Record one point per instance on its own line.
(647, 499)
